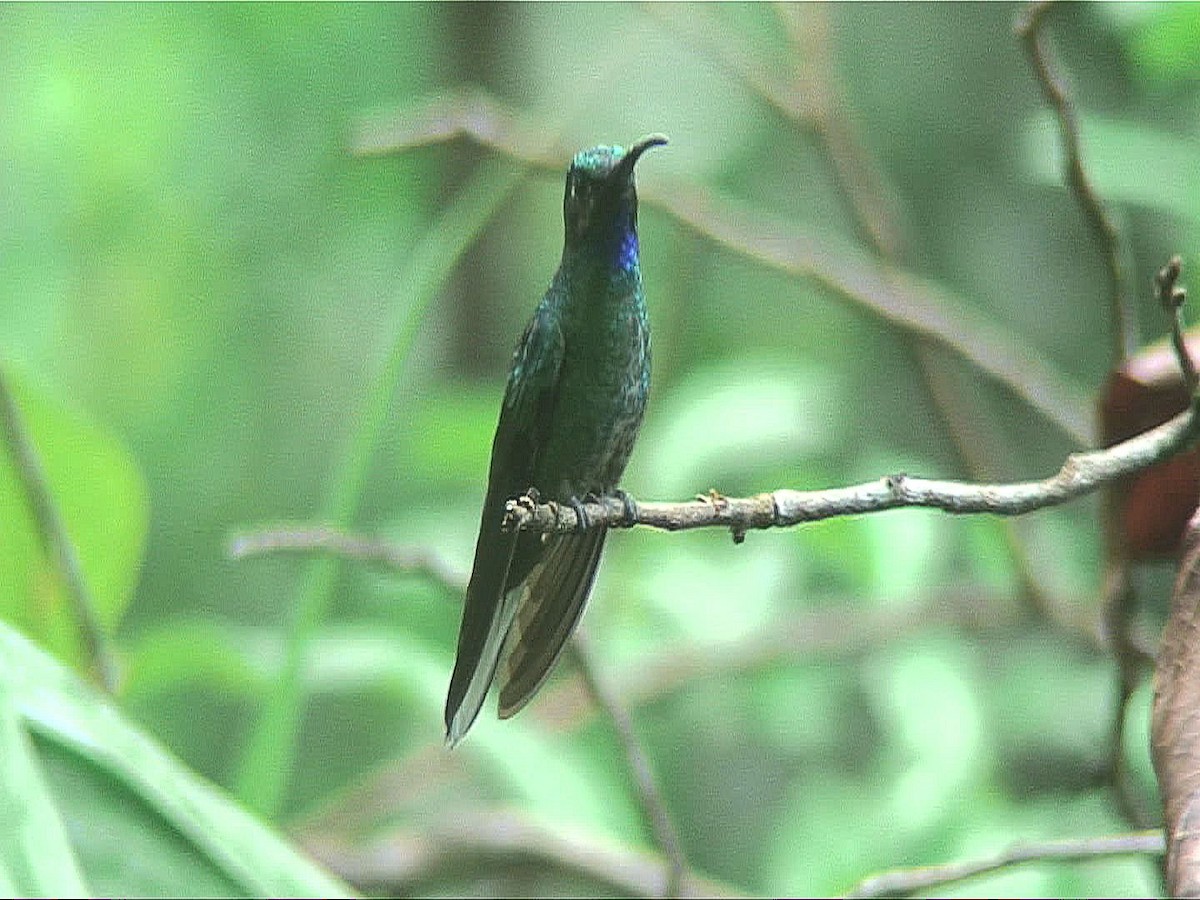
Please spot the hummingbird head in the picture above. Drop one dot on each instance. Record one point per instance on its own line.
(600, 201)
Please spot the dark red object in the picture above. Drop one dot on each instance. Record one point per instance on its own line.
(1154, 506)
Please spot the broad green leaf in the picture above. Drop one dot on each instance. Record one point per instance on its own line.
(1165, 43)
(1118, 156)
(102, 499)
(36, 858)
(726, 418)
(139, 821)
(192, 652)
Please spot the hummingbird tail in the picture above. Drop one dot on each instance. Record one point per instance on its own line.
(472, 678)
(557, 589)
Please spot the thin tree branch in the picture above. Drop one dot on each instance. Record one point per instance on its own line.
(472, 114)
(1081, 474)
(653, 804)
(267, 761)
(809, 30)
(399, 863)
(307, 539)
(1054, 88)
(815, 634)
(1118, 588)
(912, 305)
(1171, 295)
(52, 530)
(901, 882)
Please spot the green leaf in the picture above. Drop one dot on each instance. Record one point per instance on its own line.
(35, 855)
(771, 408)
(1118, 155)
(103, 501)
(139, 822)
(1166, 45)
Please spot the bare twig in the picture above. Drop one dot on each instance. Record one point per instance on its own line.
(346, 545)
(360, 547)
(859, 179)
(1119, 595)
(653, 804)
(808, 97)
(1054, 88)
(908, 881)
(1172, 297)
(400, 863)
(815, 634)
(472, 113)
(1081, 474)
(55, 540)
(911, 305)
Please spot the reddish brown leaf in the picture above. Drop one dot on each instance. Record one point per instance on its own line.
(1152, 508)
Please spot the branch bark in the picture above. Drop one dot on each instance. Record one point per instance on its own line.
(1175, 723)
(908, 881)
(1081, 474)
(1054, 89)
(402, 862)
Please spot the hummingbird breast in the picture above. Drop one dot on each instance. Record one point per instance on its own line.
(602, 388)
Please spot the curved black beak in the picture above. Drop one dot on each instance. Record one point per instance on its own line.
(624, 169)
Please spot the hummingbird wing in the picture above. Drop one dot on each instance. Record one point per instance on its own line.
(552, 602)
(492, 600)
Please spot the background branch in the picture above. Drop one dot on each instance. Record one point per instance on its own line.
(1054, 88)
(908, 881)
(876, 213)
(308, 539)
(400, 863)
(638, 761)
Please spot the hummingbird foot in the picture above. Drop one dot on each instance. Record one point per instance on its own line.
(629, 505)
(584, 521)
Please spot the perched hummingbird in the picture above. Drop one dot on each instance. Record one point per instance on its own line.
(572, 409)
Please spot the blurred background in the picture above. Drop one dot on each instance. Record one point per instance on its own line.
(860, 258)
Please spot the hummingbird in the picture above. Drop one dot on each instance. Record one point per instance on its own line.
(572, 409)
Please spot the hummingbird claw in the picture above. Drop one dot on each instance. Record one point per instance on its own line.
(630, 507)
(585, 521)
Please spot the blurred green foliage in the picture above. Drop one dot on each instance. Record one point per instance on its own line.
(206, 300)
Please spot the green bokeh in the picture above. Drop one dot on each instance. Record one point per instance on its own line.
(200, 285)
